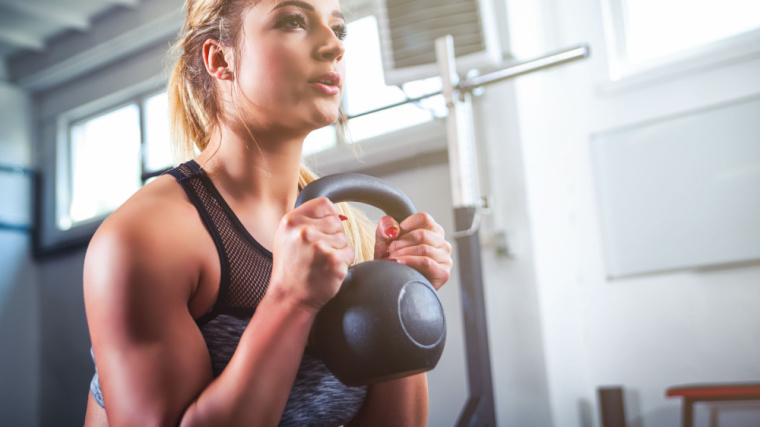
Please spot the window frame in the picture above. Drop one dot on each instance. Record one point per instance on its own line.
(67, 121)
(622, 74)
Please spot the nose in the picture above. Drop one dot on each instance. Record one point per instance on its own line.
(331, 48)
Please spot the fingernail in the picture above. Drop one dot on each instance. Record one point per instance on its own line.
(391, 232)
(387, 251)
(342, 217)
(392, 259)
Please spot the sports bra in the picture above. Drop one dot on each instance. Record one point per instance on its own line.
(317, 397)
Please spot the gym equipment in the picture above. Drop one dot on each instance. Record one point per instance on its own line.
(387, 321)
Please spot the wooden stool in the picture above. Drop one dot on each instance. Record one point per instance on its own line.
(710, 393)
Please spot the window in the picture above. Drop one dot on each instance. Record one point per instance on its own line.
(112, 152)
(111, 155)
(649, 33)
(366, 91)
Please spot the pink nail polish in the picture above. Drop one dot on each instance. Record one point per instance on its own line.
(391, 232)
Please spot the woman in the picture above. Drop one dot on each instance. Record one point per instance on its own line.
(201, 289)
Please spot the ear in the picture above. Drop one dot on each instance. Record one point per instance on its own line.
(216, 60)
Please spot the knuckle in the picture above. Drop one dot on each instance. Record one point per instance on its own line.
(426, 218)
(424, 250)
(288, 221)
(336, 261)
(327, 206)
(305, 234)
(428, 263)
(323, 250)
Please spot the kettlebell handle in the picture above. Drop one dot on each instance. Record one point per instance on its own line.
(354, 187)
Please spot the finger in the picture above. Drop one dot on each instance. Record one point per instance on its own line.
(335, 260)
(311, 234)
(387, 230)
(419, 237)
(334, 240)
(421, 220)
(437, 273)
(318, 208)
(439, 255)
(331, 224)
(347, 255)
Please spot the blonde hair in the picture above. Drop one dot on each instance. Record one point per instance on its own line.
(194, 102)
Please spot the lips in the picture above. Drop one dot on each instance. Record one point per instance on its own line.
(327, 84)
(328, 79)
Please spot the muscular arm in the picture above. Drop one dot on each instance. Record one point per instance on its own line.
(152, 360)
(402, 402)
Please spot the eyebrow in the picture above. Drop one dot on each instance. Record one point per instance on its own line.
(307, 6)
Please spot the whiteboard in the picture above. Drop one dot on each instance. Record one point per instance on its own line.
(681, 192)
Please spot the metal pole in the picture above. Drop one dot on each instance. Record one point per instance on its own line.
(478, 410)
(547, 61)
(516, 70)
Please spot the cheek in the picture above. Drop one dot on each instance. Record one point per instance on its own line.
(279, 63)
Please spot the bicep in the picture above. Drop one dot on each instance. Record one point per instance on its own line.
(401, 402)
(151, 357)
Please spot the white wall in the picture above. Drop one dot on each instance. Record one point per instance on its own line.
(644, 333)
(19, 329)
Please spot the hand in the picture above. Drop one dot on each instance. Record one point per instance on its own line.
(311, 255)
(417, 242)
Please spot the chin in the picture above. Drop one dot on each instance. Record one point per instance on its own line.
(326, 119)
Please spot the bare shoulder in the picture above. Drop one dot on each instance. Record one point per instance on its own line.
(162, 205)
(143, 269)
(152, 238)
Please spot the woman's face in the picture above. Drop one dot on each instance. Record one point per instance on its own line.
(290, 69)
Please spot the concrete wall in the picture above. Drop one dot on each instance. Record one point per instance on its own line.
(19, 313)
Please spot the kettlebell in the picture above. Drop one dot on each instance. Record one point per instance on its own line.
(386, 321)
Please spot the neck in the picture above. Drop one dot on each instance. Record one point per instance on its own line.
(263, 166)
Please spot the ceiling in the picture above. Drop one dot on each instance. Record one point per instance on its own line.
(30, 25)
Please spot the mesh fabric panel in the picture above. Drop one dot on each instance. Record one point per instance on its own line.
(246, 265)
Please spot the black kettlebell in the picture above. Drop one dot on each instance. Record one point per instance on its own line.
(387, 321)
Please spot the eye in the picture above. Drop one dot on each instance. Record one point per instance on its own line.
(292, 22)
(340, 31)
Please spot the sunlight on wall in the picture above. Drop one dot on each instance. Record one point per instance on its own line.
(157, 135)
(658, 28)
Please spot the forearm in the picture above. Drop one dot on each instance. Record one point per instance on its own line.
(254, 387)
(402, 402)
